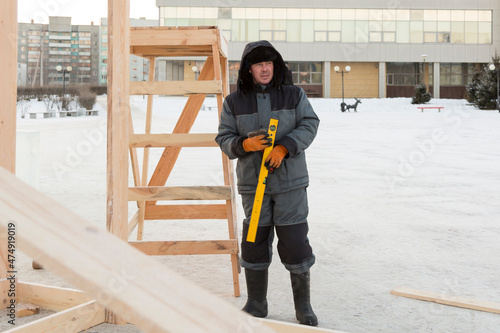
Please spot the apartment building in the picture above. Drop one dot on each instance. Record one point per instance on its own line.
(44, 47)
(389, 45)
(139, 67)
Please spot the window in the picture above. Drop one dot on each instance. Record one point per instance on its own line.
(339, 25)
(306, 72)
(404, 74)
(452, 74)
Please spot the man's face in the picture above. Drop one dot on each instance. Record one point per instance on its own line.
(262, 72)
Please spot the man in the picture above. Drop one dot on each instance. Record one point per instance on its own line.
(265, 90)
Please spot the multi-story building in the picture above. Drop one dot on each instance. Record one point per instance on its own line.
(139, 67)
(391, 46)
(44, 47)
(21, 74)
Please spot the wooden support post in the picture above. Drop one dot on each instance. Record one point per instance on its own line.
(118, 122)
(440, 298)
(227, 169)
(131, 284)
(145, 160)
(8, 97)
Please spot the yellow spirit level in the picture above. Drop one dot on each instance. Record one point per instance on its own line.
(261, 185)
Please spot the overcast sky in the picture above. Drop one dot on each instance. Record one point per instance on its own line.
(81, 11)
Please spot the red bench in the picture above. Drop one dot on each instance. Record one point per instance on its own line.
(430, 107)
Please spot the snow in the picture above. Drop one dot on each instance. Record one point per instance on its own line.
(398, 197)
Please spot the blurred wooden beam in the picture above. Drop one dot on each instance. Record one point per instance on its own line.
(440, 298)
(132, 285)
(8, 98)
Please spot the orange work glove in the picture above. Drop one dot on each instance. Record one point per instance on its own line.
(273, 161)
(257, 141)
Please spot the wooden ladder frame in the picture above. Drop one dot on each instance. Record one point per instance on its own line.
(150, 43)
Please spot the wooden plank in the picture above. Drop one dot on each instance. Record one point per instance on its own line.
(145, 156)
(162, 248)
(184, 124)
(185, 212)
(52, 298)
(168, 51)
(148, 193)
(440, 298)
(118, 122)
(147, 129)
(75, 319)
(172, 140)
(178, 37)
(134, 221)
(220, 73)
(133, 154)
(118, 112)
(222, 44)
(8, 84)
(282, 327)
(8, 98)
(109, 269)
(175, 88)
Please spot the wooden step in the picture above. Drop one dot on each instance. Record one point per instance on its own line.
(186, 212)
(154, 193)
(161, 248)
(175, 88)
(172, 140)
(176, 42)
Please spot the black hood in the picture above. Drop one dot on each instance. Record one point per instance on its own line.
(263, 51)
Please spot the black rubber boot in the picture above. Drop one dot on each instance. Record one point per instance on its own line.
(302, 299)
(257, 292)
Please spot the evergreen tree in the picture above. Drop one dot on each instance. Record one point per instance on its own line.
(482, 90)
(422, 96)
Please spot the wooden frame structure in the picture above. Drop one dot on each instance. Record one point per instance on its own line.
(150, 43)
(124, 280)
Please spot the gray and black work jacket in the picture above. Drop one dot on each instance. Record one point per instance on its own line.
(297, 128)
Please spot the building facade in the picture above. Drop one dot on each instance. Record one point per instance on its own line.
(44, 47)
(390, 45)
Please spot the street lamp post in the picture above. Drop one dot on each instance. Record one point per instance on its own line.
(492, 68)
(347, 70)
(64, 71)
(424, 57)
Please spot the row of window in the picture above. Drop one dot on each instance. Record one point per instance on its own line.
(450, 74)
(398, 74)
(347, 31)
(347, 14)
(63, 41)
(302, 72)
(51, 33)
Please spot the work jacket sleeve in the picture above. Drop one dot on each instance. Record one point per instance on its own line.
(307, 123)
(228, 137)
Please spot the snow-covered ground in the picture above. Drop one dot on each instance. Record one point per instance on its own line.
(398, 197)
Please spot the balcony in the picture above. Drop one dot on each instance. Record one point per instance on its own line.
(59, 45)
